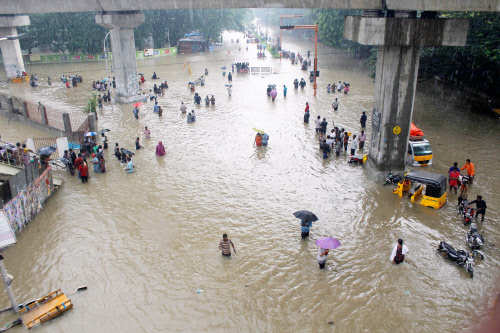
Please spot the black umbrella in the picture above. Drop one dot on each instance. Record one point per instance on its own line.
(305, 216)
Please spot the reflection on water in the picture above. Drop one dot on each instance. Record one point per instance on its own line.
(145, 242)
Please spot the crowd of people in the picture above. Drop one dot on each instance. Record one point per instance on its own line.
(338, 140)
(460, 183)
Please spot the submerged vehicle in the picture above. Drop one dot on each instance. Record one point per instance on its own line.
(460, 257)
(425, 188)
(419, 148)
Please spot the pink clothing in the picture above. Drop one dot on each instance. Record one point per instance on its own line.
(160, 149)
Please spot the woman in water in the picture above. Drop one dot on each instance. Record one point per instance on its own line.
(160, 149)
(322, 254)
(147, 132)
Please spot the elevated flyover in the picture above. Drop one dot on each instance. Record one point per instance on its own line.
(19, 7)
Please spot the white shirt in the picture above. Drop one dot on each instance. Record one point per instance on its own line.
(320, 257)
(393, 254)
(318, 122)
(354, 143)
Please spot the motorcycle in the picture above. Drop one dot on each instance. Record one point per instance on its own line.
(460, 257)
(468, 214)
(475, 240)
(392, 179)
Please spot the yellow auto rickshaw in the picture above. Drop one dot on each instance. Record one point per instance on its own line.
(426, 188)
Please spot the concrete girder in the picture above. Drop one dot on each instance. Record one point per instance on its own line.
(406, 31)
(61, 6)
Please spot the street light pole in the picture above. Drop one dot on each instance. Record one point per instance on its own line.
(105, 53)
(315, 57)
(311, 27)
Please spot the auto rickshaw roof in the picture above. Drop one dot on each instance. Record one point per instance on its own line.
(425, 177)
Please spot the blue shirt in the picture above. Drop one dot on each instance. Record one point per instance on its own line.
(265, 138)
(304, 228)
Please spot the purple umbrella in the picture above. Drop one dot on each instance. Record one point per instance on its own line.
(328, 243)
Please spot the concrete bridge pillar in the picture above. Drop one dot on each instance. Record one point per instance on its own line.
(11, 50)
(121, 25)
(399, 38)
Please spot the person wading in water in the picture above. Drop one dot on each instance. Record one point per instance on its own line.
(399, 252)
(225, 246)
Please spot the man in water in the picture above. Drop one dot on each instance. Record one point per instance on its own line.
(335, 104)
(284, 90)
(183, 108)
(225, 246)
(156, 108)
(480, 206)
(362, 120)
(265, 139)
(471, 170)
(454, 167)
(304, 229)
(399, 252)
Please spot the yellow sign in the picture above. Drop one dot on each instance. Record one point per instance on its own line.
(396, 130)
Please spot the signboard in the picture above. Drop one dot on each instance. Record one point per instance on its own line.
(148, 52)
(7, 236)
(396, 130)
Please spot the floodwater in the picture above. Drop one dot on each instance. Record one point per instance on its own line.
(145, 244)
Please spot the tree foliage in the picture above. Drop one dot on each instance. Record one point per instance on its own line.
(331, 31)
(476, 65)
(78, 32)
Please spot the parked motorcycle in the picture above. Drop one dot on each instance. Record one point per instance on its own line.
(392, 179)
(468, 214)
(475, 240)
(460, 257)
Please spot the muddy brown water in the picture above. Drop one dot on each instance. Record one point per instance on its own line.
(145, 244)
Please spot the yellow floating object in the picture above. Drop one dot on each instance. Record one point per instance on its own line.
(258, 130)
(20, 79)
(44, 309)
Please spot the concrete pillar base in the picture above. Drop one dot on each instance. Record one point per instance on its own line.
(130, 99)
(399, 40)
(121, 25)
(11, 49)
(395, 85)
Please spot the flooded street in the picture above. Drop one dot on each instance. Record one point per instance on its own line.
(145, 243)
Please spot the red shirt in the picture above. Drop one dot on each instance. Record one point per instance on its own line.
(78, 161)
(307, 108)
(454, 178)
(84, 170)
